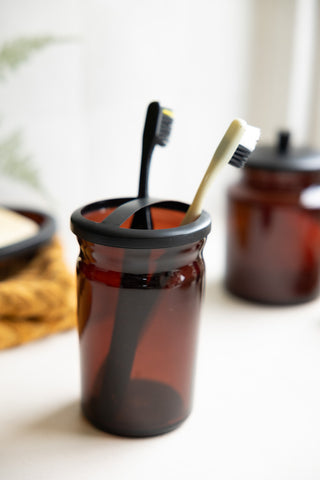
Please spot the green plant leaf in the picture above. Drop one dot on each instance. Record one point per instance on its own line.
(15, 163)
(15, 52)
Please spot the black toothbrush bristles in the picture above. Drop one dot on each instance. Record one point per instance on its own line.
(247, 144)
(156, 131)
(164, 126)
(240, 157)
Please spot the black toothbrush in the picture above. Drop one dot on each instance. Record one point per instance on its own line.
(133, 307)
(156, 131)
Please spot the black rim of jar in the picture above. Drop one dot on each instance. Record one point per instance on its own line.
(110, 233)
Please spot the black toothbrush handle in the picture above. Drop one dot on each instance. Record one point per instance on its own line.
(114, 376)
(134, 307)
(132, 316)
(156, 131)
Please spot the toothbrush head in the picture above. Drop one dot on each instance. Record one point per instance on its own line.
(235, 147)
(158, 124)
(247, 144)
(164, 125)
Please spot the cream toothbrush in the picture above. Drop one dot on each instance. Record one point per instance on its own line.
(235, 147)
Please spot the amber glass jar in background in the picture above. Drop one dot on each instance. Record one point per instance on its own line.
(273, 226)
(139, 298)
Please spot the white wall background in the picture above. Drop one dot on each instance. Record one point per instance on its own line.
(81, 104)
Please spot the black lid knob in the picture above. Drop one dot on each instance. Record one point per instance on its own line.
(283, 142)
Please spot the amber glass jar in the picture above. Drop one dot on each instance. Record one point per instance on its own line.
(139, 298)
(273, 227)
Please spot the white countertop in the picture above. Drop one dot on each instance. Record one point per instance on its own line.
(256, 412)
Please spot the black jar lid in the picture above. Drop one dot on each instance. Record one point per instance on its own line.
(283, 157)
(110, 233)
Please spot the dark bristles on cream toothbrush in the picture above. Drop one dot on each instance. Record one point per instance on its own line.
(237, 144)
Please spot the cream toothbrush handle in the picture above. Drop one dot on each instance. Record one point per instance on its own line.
(222, 155)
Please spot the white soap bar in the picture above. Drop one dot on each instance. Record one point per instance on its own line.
(15, 227)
